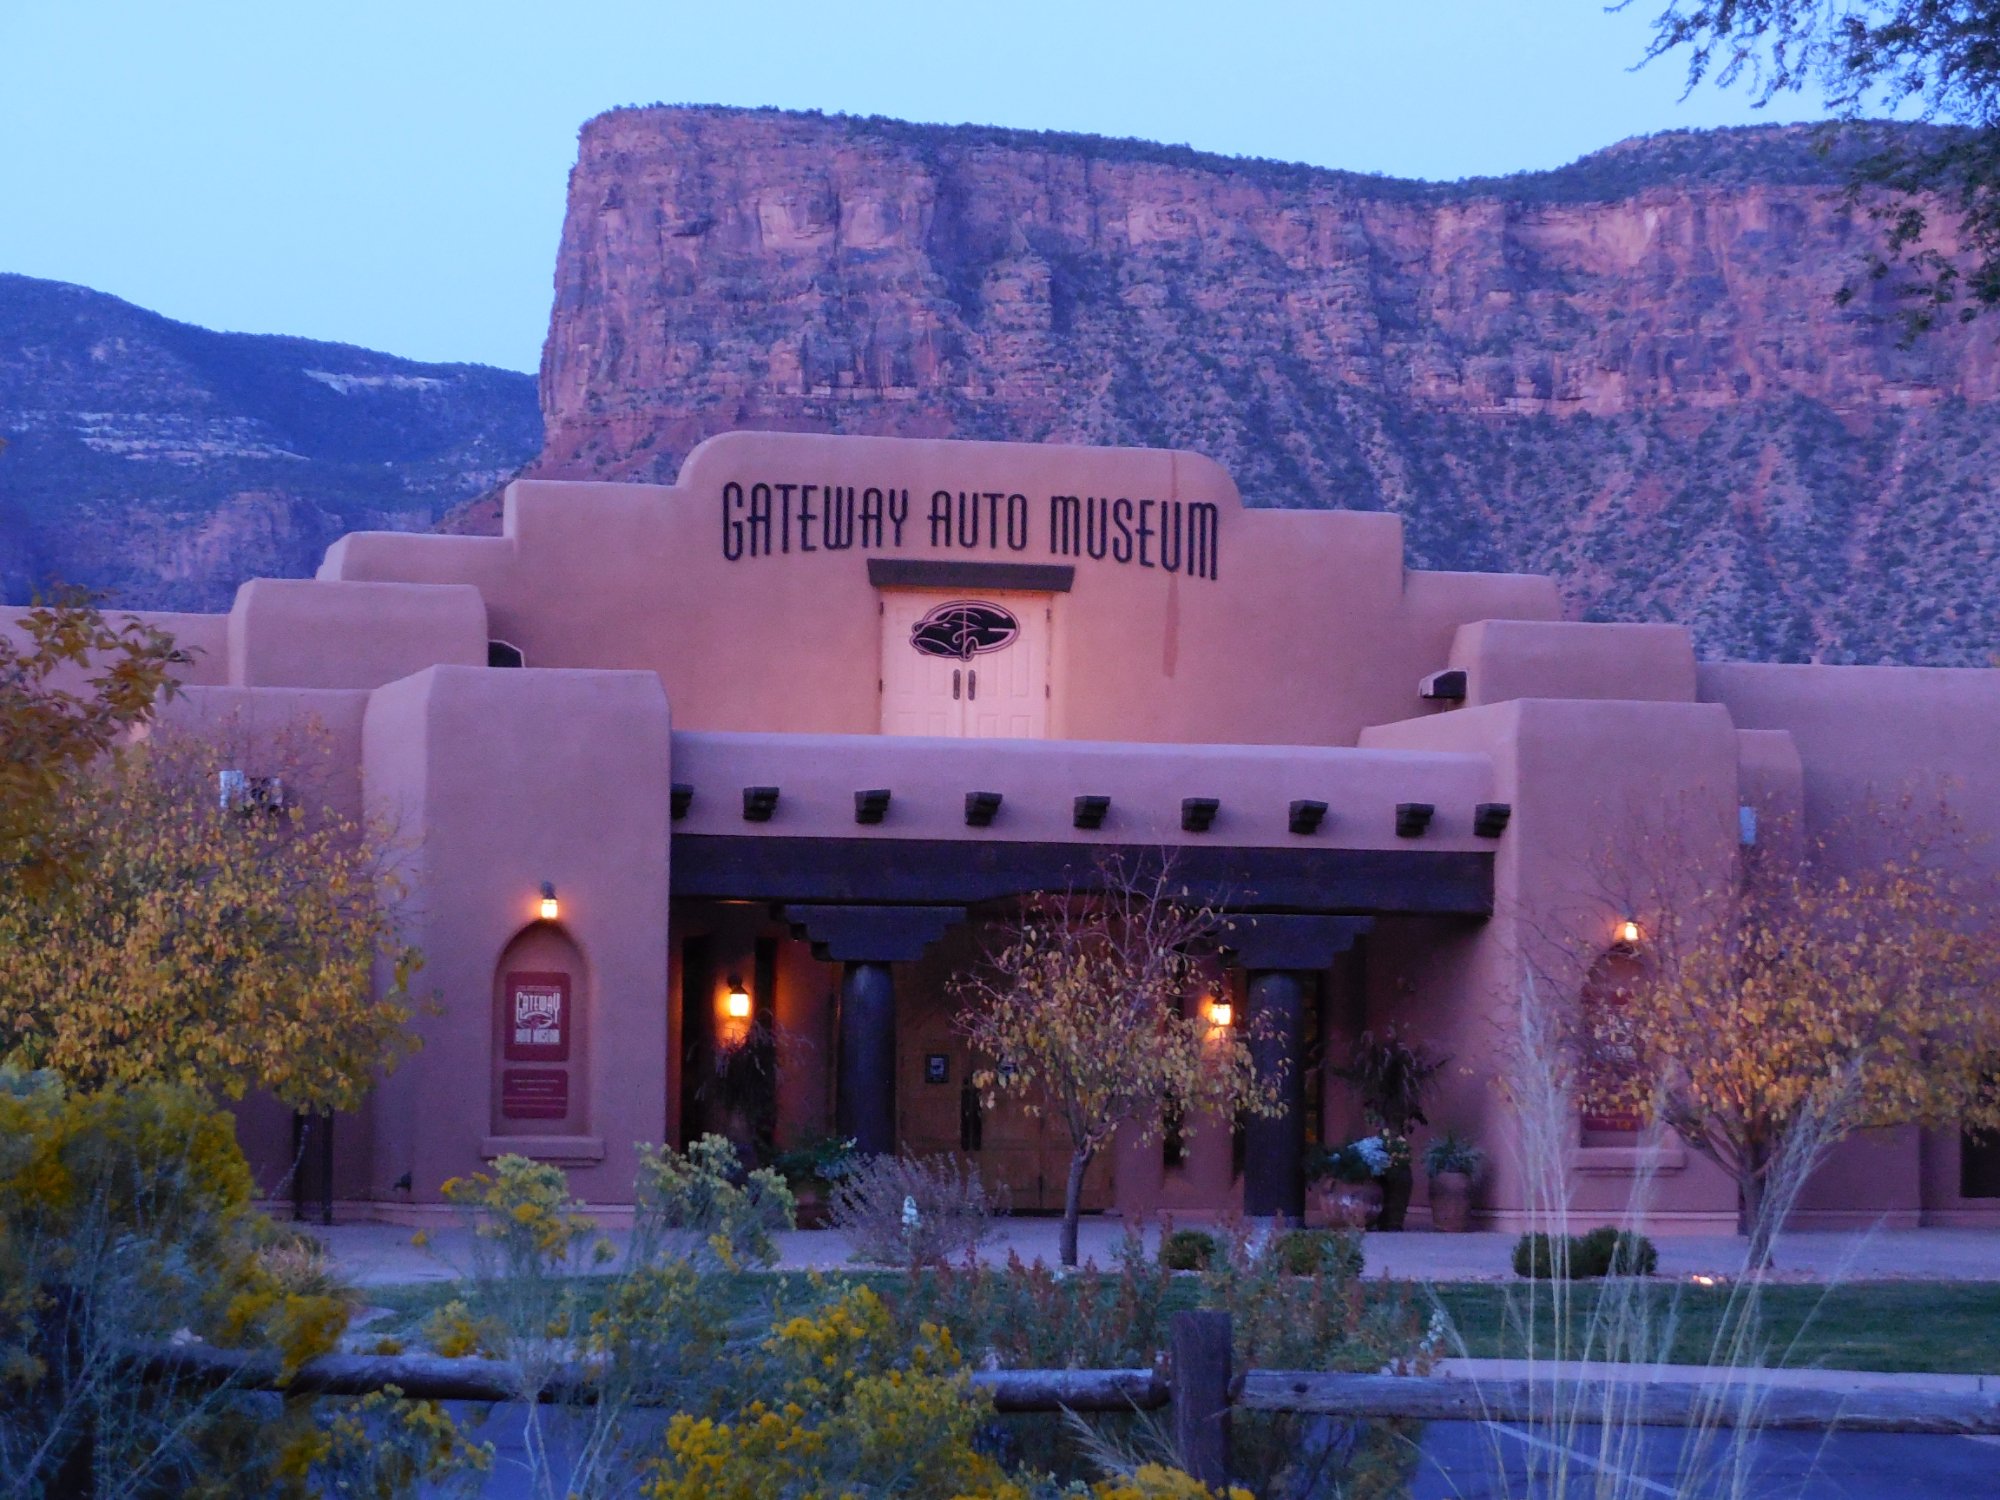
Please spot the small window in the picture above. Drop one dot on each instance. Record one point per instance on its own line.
(500, 654)
(1173, 1138)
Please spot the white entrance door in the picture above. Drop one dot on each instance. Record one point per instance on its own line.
(965, 665)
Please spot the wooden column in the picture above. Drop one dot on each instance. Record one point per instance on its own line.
(1285, 953)
(1274, 1145)
(864, 1104)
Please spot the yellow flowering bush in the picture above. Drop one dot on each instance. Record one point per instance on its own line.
(852, 1410)
(126, 1220)
(1156, 1482)
(852, 1406)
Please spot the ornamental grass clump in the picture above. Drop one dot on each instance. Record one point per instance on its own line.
(913, 1211)
(1582, 1435)
(1036, 1316)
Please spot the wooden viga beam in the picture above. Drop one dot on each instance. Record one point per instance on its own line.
(1745, 1398)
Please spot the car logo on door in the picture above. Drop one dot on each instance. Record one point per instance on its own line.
(963, 629)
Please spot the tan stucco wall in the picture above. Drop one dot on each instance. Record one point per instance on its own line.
(1292, 673)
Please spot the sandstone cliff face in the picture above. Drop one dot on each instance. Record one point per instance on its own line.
(1631, 372)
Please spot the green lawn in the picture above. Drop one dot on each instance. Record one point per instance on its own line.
(1952, 1327)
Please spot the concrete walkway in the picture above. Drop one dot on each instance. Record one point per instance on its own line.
(382, 1254)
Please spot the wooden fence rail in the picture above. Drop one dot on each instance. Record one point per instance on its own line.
(429, 1377)
(1742, 1400)
(1203, 1392)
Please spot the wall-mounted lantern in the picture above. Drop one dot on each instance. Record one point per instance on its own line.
(1221, 1014)
(550, 908)
(736, 1004)
(1630, 935)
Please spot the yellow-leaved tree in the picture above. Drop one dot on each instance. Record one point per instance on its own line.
(1082, 1007)
(220, 932)
(1813, 991)
(72, 684)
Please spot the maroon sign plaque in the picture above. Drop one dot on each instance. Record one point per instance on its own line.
(534, 1093)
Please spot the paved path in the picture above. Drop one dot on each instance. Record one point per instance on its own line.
(379, 1254)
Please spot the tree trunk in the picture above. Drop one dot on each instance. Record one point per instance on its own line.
(1079, 1163)
(1753, 1209)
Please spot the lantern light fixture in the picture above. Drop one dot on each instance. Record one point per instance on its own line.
(550, 908)
(1629, 933)
(1221, 1014)
(737, 1004)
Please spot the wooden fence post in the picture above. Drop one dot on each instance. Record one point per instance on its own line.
(1201, 1394)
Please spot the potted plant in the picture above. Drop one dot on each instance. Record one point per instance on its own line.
(1391, 1077)
(1451, 1162)
(1349, 1180)
(811, 1169)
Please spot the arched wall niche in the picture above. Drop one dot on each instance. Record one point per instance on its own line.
(542, 1018)
(1609, 986)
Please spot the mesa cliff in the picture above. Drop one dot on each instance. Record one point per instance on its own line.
(1631, 373)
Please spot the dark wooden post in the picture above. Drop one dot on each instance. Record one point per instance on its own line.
(1274, 1181)
(865, 1088)
(1201, 1394)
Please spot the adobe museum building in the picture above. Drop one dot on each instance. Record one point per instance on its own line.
(779, 738)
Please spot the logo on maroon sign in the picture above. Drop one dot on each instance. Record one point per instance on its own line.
(537, 1015)
(963, 629)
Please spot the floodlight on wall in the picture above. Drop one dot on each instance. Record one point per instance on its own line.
(549, 907)
(759, 802)
(736, 1004)
(683, 794)
(1489, 819)
(1089, 811)
(871, 806)
(980, 808)
(1412, 818)
(1305, 815)
(1198, 813)
(1443, 687)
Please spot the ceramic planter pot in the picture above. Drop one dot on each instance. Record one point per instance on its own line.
(1351, 1205)
(1395, 1198)
(1451, 1202)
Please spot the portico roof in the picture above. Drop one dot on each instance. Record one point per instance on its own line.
(943, 837)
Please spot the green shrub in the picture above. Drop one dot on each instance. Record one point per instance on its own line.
(1604, 1251)
(1314, 1252)
(1189, 1250)
(1535, 1255)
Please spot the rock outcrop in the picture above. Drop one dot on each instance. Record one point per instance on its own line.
(163, 464)
(1631, 372)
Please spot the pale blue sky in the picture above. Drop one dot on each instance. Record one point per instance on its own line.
(392, 174)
